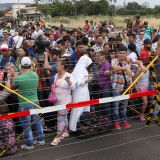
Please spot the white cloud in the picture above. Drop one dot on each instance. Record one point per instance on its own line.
(16, 1)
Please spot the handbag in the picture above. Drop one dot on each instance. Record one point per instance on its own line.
(52, 95)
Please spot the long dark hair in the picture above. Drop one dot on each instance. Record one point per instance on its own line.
(132, 47)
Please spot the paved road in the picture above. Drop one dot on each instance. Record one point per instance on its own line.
(137, 143)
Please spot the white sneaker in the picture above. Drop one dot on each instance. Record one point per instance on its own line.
(24, 146)
(42, 142)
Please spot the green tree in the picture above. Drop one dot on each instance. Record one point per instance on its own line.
(133, 6)
(82, 7)
(1, 13)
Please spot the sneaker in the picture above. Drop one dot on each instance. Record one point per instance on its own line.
(126, 125)
(117, 126)
(55, 142)
(42, 142)
(64, 135)
(24, 146)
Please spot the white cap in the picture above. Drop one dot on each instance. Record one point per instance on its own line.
(26, 62)
(4, 47)
(5, 31)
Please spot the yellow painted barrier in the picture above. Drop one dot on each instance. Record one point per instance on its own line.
(134, 82)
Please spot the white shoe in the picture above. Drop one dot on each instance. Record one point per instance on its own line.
(24, 146)
(42, 142)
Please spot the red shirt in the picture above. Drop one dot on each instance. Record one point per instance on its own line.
(144, 55)
(55, 36)
(87, 27)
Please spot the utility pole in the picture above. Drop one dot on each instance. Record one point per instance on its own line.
(74, 7)
(19, 8)
(115, 1)
(111, 7)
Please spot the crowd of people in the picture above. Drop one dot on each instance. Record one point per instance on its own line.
(52, 65)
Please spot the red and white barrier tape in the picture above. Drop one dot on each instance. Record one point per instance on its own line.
(78, 104)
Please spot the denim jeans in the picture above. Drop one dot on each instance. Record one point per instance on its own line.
(26, 124)
(119, 109)
(155, 113)
(107, 106)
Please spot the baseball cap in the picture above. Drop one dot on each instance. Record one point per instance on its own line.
(4, 47)
(26, 62)
(5, 31)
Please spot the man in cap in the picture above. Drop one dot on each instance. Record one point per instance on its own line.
(5, 56)
(27, 84)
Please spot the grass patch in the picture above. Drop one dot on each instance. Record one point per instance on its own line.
(119, 21)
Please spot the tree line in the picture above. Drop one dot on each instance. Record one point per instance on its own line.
(82, 7)
(101, 7)
(87, 7)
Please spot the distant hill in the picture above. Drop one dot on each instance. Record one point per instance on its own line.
(4, 6)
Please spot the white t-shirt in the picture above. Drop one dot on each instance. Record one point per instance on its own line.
(12, 32)
(40, 32)
(133, 56)
(34, 35)
(18, 41)
(154, 46)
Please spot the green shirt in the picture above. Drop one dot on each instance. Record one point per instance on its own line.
(27, 84)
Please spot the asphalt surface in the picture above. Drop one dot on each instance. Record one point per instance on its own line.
(136, 143)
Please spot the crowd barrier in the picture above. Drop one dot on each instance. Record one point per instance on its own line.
(77, 105)
(49, 109)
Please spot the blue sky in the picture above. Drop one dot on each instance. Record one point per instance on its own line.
(152, 3)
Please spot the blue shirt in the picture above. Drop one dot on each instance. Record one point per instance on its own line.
(31, 52)
(4, 61)
(73, 59)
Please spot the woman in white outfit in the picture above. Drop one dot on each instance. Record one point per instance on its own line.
(81, 92)
(64, 83)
